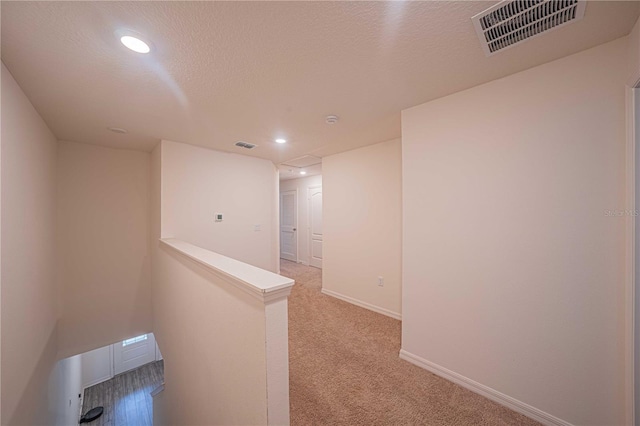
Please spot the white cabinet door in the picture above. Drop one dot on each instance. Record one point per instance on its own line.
(288, 225)
(134, 352)
(315, 226)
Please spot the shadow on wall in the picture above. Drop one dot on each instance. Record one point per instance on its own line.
(37, 390)
(196, 268)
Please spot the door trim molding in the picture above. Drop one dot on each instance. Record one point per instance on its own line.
(631, 272)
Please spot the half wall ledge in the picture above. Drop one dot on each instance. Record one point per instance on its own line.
(260, 283)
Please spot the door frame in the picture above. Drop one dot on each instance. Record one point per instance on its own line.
(632, 278)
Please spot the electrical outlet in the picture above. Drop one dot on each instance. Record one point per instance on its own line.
(380, 282)
(257, 228)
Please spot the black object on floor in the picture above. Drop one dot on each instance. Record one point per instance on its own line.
(92, 414)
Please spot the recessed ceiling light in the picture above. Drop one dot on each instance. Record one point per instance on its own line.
(117, 130)
(280, 140)
(135, 44)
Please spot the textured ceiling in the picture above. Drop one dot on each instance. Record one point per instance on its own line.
(252, 71)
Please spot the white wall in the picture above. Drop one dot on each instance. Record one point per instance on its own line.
(634, 79)
(512, 269)
(65, 385)
(1, 137)
(302, 187)
(636, 281)
(29, 308)
(213, 335)
(198, 182)
(103, 246)
(97, 366)
(634, 56)
(213, 342)
(362, 219)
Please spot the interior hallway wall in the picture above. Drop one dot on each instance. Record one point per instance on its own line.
(634, 80)
(103, 246)
(188, 185)
(636, 282)
(362, 219)
(302, 185)
(97, 366)
(513, 249)
(199, 182)
(65, 385)
(29, 298)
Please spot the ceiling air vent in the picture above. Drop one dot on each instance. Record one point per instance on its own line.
(513, 21)
(245, 145)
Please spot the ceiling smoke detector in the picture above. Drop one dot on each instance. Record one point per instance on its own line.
(511, 22)
(332, 119)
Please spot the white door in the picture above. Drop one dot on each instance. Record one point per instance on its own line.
(288, 225)
(315, 226)
(134, 352)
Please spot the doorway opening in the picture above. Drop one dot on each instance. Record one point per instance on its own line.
(301, 211)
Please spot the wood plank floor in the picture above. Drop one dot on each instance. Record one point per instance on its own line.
(126, 398)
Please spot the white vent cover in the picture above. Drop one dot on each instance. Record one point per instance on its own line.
(247, 145)
(513, 21)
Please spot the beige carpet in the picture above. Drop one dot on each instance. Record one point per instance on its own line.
(345, 369)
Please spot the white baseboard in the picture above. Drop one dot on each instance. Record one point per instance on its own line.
(362, 304)
(487, 392)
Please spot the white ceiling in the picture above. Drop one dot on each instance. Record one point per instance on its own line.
(288, 172)
(252, 71)
(308, 164)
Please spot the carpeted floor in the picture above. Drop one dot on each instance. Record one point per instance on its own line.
(345, 370)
